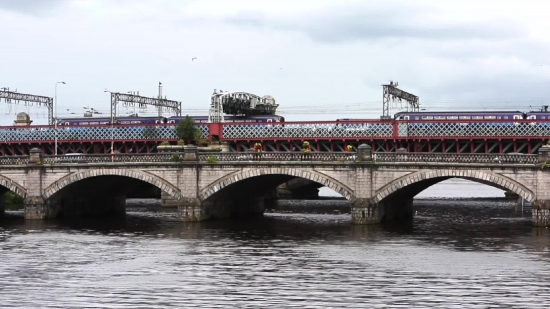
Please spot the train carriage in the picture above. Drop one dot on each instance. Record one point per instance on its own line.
(481, 123)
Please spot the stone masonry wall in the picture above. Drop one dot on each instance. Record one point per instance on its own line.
(364, 183)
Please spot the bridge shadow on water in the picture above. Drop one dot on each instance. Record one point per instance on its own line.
(465, 225)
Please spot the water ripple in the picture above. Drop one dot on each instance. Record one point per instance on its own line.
(462, 257)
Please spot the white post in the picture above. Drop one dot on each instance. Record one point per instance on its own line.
(55, 117)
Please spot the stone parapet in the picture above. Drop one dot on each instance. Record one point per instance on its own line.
(544, 154)
(190, 153)
(364, 152)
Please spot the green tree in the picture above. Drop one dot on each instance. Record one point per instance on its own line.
(186, 129)
(12, 200)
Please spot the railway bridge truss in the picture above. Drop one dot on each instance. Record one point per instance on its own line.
(514, 136)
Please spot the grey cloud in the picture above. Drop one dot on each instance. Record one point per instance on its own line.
(33, 7)
(364, 23)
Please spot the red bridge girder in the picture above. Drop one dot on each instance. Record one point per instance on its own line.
(500, 136)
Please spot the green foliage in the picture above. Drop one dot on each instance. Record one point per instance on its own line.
(175, 158)
(198, 135)
(212, 159)
(180, 142)
(150, 133)
(13, 200)
(544, 165)
(186, 129)
(203, 143)
(165, 143)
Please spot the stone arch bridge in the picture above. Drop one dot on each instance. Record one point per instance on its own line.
(379, 186)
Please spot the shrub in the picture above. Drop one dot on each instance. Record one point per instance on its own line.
(212, 159)
(186, 129)
(175, 158)
(165, 143)
(181, 142)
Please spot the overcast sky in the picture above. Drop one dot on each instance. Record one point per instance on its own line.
(320, 59)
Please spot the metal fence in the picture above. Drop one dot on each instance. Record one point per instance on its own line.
(342, 157)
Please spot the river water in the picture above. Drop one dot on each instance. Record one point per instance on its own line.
(475, 253)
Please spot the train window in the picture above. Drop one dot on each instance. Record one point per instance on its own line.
(477, 117)
(504, 117)
(439, 117)
(427, 117)
(416, 118)
(452, 117)
(269, 120)
(464, 117)
(66, 123)
(406, 117)
(490, 117)
(171, 121)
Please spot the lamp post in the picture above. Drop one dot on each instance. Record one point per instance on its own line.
(112, 124)
(55, 117)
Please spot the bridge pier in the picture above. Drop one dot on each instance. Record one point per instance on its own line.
(541, 213)
(192, 210)
(365, 212)
(37, 209)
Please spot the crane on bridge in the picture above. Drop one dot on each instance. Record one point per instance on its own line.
(239, 103)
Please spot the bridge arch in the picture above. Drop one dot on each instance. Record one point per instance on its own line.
(131, 173)
(323, 179)
(13, 186)
(488, 178)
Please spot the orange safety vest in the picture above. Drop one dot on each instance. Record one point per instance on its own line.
(258, 147)
(349, 148)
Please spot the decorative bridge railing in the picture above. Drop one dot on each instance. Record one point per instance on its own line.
(326, 130)
(336, 157)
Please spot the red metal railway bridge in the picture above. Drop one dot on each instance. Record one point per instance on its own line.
(444, 136)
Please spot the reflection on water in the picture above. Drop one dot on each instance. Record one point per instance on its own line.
(474, 254)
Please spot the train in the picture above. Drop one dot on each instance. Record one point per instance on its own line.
(474, 115)
(165, 120)
(467, 115)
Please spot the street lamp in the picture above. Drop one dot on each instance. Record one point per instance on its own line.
(55, 112)
(112, 124)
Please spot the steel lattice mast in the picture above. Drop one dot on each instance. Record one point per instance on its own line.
(141, 101)
(10, 96)
(392, 93)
